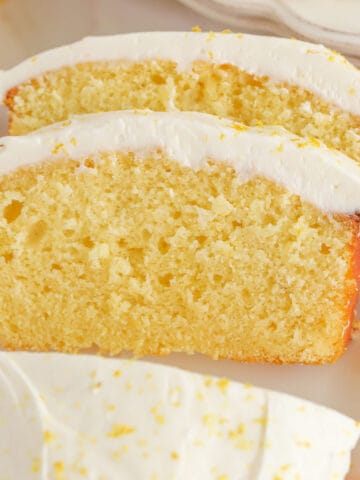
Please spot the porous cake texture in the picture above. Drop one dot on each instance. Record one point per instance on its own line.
(157, 233)
(84, 417)
(308, 89)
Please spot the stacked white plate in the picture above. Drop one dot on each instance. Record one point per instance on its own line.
(334, 23)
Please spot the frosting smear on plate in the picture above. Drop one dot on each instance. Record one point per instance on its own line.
(86, 417)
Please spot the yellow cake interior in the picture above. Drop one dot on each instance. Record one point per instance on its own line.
(158, 85)
(144, 255)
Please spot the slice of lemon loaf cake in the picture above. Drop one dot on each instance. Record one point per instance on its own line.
(161, 232)
(306, 88)
(150, 421)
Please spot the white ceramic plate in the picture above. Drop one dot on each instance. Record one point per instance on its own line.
(331, 22)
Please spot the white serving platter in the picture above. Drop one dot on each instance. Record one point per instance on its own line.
(43, 25)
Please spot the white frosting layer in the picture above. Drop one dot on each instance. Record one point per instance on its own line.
(87, 417)
(310, 66)
(326, 178)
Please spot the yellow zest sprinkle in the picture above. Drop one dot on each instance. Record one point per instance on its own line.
(83, 471)
(128, 386)
(294, 39)
(265, 444)
(285, 467)
(331, 58)
(149, 375)
(96, 385)
(48, 436)
(117, 373)
(118, 454)
(59, 468)
(222, 136)
(302, 408)
(259, 123)
(196, 29)
(249, 398)
(239, 127)
(277, 477)
(248, 385)
(208, 382)
(280, 148)
(57, 148)
(310, 142)
(314, 142)
(352, 91)
(243, 444)
(36, 464)
(142, 442)
(357, 424)
(120, 429)
(223, 477)
(175, 390)
(66, 123)
(33, 59)
(211, 36)
(211, 54)
(240, 35)
(200, 395)
(174, 455)
(304, 444)
(227, 30)
(311, 52)
(239, 431)
(176, 404)
(223, 384)
(160, 419)
(261, 420)
(110, 408)
(73, 141)
(209, 419)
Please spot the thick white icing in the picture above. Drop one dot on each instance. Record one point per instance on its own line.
(310, 66)
(326, 178)
(87, 417)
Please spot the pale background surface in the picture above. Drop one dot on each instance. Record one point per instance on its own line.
(29, 26)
